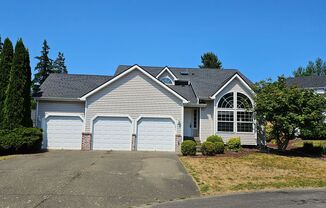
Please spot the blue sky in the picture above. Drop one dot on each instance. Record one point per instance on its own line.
(261, 38)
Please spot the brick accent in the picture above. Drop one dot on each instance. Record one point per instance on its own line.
(133, 142)
(178, 140)
(86, 141)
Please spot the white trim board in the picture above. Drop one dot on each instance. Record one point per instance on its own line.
(80, 115)
(228, 82)
(135, 67)
(169, 71)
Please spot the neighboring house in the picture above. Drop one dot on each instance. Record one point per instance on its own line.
(316, 83)
(145, 108)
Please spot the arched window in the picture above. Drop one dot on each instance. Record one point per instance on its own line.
(243, 102)
(166, 80)
(235, 118)
(226, 101)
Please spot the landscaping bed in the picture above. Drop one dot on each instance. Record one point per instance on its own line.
(248, 170)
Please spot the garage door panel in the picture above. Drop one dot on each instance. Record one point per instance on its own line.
(156, 134)
(63, 132)
(112, 133)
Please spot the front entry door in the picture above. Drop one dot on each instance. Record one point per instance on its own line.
(188, 122)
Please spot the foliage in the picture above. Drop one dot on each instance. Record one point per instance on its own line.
(287, 109)
(27, 121)
(219, 147)
(317, 68)
(214, 139)
(316, 133)
(14, 102)
(210, 60)
(43, 68)
(234, 143)
(208, 148)
(59, 64)
(20, 140)
(310, 148)
(1, 45)
(5, 66)
(188, 147)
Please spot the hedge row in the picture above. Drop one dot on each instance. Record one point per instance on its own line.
(20, 140)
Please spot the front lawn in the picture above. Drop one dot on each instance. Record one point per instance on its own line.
(255, 171)
(6, 157)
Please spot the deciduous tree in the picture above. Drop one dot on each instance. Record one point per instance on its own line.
(288, 109)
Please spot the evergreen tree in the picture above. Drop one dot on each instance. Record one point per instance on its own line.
(43, 67)
(59, 64)
(5, 66)
(27, 121)
(1, 45)
(210, 60)
(14, 102)
(317, 68)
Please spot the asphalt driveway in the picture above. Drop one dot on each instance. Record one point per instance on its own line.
(93, 179)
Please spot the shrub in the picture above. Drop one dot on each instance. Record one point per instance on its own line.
(20, 140)
(208, 148)
(219, 147)
(234, 143)
(188, 147)
(214, 139)
(309, 148)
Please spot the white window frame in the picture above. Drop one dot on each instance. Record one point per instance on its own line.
(235, 110)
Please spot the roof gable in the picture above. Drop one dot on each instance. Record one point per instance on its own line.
(122, 74)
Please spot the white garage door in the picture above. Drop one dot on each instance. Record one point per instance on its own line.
(63, 132)
(112, 133)
(156, 134)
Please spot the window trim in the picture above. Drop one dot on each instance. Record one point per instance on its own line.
(167, 77)
(235, 110)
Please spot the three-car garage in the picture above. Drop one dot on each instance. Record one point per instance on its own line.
(111, 132)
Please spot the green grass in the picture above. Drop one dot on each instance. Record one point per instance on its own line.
(316, 143)
(257, 171)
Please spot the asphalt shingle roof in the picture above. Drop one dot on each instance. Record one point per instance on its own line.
(70, 85)
(307, 82)
(203, 82)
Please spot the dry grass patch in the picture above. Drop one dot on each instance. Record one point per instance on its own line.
(255, 172)
(316, 143)
(6, 157)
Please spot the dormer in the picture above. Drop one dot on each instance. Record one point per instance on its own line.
(166, 76)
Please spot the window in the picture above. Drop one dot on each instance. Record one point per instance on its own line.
(238, 117)
(243, 101)
(226, 101)
(244, 121)
(225, 120)
(166, 80)
(195, 118)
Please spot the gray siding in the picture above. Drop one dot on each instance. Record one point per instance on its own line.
(206, 121)
(135, 94)
(58, 107)
(246, 138)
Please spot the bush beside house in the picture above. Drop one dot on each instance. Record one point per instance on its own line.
(20, 140)
(188, 147)
(234, 144)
